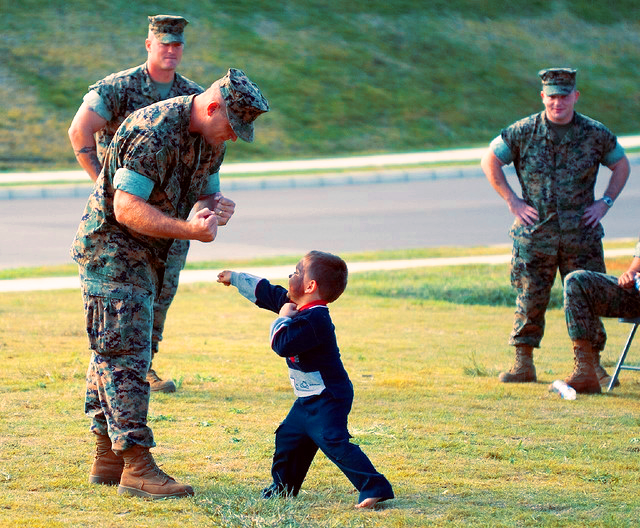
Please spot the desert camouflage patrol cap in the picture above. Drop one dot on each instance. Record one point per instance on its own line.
(558, 81)
(244, 102)
(168, 28)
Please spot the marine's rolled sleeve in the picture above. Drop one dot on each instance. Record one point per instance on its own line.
(133, 183)
(93, 100)
(614, 156)
(213, 184)
(501, 150)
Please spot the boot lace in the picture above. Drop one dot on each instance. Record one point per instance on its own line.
(150, 465)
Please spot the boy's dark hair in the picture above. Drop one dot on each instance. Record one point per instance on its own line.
(330, 273)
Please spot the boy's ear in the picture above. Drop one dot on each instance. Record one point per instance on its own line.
(311, 286)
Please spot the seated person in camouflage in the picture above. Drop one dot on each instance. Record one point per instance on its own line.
(556, 154)
(107, 104)
(587, 297)
(158, 170)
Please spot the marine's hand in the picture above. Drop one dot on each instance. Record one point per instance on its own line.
(224, 209)
(205, 225)
(224, 277)
(594, 213)
(526, 214)
(627, 279)
(288, 310)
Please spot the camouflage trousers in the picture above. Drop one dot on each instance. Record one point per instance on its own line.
(535, 263)
(589, 296)
(119, 320)
(176, 260)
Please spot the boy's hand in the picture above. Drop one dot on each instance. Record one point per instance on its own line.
(224, 277)
(288, 310)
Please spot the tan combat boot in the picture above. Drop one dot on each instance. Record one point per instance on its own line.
(107, 466)
(602, 374)
(158, 384)
(523, 369)
(584, 378)
(143, 478)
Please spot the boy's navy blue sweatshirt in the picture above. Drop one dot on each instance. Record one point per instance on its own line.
(307, 340)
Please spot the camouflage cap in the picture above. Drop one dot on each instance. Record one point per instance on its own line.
(558, 81)
(168, 28)
(244, 102)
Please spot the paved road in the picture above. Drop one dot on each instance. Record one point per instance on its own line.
(267, 222)
(451, 211)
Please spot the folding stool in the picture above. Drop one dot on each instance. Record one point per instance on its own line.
(621, 366)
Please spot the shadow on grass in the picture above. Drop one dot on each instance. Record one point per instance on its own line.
(466, 285)
(494, 296)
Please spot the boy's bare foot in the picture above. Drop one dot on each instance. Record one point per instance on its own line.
(369, 503)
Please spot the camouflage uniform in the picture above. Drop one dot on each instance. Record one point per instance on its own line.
(589, 296)
(122, 271)
(118, 316)
(557, 179)
(120, 94)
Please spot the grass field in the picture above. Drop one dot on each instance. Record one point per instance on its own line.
(423, 348)
(342, 78)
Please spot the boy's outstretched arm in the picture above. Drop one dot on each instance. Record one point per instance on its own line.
(245, 282)
(256, 289)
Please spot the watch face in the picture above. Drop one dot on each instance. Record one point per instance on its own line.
(607, 200)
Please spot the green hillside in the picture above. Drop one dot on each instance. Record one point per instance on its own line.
(342, 77)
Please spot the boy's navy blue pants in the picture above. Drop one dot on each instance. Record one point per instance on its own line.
(321, 422)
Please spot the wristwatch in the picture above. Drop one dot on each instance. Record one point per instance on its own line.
(607, 200)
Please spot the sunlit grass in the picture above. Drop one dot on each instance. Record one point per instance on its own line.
(459, 447)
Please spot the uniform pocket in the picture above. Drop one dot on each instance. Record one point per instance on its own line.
(119, 317)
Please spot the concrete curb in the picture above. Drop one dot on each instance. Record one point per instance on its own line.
(374, 169)
(230, 184)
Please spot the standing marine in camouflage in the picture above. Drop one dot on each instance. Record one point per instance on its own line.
(160, 167)
(556, 154)
(107, 104)
(589, 295)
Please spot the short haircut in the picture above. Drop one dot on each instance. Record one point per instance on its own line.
(330, 273)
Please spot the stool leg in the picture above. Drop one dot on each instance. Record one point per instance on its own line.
(622, 357)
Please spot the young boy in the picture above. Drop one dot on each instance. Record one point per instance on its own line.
(304, 335)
